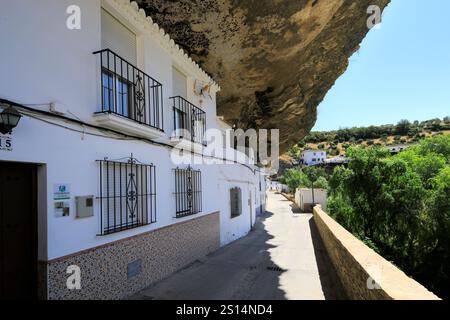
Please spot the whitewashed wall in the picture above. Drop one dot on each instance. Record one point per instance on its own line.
(45, 62)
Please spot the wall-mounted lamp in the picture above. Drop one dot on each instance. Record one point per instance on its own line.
(9, 119)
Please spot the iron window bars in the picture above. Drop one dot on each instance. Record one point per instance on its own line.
(235, 202)
(127, 195)
(188, 192)
(189, 121)
(129, 92)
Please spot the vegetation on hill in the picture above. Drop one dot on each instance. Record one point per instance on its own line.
(399, 205)
(338, 142)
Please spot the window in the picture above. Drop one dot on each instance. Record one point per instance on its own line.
(189, 121)
(116, 93)
(126, 90)
(129, 92)
(180, 122)
(188, 192)
(235, 202)
(127, 195)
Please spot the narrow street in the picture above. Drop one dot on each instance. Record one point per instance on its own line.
(282, 259)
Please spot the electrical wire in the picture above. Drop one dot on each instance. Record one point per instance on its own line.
(117, 133)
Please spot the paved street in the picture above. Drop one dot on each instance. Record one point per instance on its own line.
(282, 258)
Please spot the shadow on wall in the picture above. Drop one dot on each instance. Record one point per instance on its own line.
(331, 284)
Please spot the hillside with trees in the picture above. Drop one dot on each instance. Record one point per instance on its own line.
(339, 141)
(399, 205)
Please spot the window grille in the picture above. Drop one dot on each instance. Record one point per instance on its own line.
(236, 202)
(188, 192)
(127, 195)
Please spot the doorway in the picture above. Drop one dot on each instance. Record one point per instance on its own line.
(18, 231)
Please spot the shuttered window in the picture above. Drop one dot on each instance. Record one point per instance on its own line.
(236, 202)
(118, 38)
(179, 84)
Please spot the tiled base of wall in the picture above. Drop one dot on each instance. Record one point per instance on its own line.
(123, 268)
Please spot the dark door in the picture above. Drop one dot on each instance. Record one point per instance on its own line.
(18, 231)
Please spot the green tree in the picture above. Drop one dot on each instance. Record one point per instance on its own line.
(294, 179)
(321, 183)
(294, 152)
(399, 205)
(403, 127)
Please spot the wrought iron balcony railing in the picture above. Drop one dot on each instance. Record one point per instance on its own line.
(129, 92)
(189, 121)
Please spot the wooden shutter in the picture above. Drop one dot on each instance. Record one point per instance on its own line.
(118, 38)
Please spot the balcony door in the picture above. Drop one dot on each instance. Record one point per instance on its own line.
(118, 85)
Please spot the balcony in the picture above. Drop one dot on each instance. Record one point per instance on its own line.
(189, 125)
(131, 100)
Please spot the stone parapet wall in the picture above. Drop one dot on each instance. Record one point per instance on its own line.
(122, 268)
(365, 275)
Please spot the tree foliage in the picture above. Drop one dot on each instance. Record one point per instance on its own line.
(304, 178)
(400, 206)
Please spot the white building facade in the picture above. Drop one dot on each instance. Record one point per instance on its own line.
(90, 168)
(313, 157)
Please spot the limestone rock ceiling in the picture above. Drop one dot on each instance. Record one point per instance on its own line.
(274, 59)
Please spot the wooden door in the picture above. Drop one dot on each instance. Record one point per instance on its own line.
(18, 231)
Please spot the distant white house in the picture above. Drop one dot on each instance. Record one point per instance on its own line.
(397, 148)
(313, 157)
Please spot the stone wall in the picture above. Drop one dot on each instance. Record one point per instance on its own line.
(122, 268)
(365, 275)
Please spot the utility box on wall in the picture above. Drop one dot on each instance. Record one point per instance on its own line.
(85, 206)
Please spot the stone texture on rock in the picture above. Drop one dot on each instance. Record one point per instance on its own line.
(274, 59)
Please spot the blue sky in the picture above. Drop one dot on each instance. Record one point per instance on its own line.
(402, 70)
